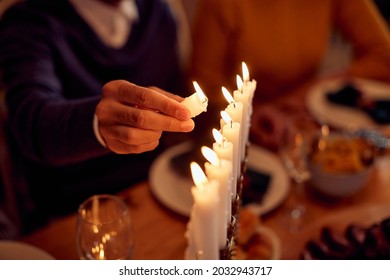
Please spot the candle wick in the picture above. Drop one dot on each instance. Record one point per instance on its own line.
(231, 124)
(205, 100)
(222, 143)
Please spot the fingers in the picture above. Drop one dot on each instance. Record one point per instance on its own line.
(116, 113)
(131, 119)
(124, 148)
(168, 94)
(131, 136)
(161, 101)
(125, 140)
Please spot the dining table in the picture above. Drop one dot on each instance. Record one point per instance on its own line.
(160, 232)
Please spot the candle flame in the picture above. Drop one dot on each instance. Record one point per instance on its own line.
(245, 72)
(210, 155)
(218, 136)
(198, 175)
(225, 116)
(199, 91)
(227, 95)
(240, 83)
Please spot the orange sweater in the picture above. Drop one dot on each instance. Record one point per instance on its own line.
(283, 42)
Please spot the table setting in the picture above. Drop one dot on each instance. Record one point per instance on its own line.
(340, 103)
(293, 165)
(262, 192)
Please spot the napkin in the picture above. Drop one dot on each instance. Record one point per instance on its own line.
(255, 186)
(349, 95)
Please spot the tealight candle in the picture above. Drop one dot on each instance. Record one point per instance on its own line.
(204, 215)
(220, 170)
(197, 102)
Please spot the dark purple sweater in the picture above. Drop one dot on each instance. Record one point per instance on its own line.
(54, 67)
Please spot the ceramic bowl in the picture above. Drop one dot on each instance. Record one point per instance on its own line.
(340, 165)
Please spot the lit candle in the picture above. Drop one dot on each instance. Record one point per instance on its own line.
(224, 150)
(231, 131)
(221, 171)
(234, 109)
(248, 85)
(245, 98)
(204, 215)
(222, 147)
(197, 102)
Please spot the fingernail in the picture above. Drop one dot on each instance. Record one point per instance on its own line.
(188, 125)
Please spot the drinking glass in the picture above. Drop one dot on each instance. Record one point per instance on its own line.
(104, 229)
(293, 152)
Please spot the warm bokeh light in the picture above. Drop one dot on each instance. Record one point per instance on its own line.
(325, 130)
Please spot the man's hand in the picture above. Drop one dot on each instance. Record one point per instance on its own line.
(132, 118)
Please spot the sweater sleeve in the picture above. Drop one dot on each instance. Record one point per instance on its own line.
(47, 127)
(361, 23)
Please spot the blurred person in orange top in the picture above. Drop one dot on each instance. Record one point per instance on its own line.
(284, 43)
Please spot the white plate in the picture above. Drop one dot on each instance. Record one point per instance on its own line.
(13, 250)
(174, 191)
(341, 116)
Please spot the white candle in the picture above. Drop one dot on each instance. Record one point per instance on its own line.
(224, 150)
(190, 251)
(234, 109)
(248, 85)
(221, 171)
(222, 147)
(244, 97)
(231, 131)
(197, 102)
(204, 216)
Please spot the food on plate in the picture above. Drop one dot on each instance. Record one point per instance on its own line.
(250, 243)
(357, 242)
(342, 154)
(350, 95)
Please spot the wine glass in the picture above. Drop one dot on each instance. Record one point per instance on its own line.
(293, 152)
(104, 229)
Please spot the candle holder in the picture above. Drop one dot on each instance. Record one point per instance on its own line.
(228, 252)
(236, 205)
